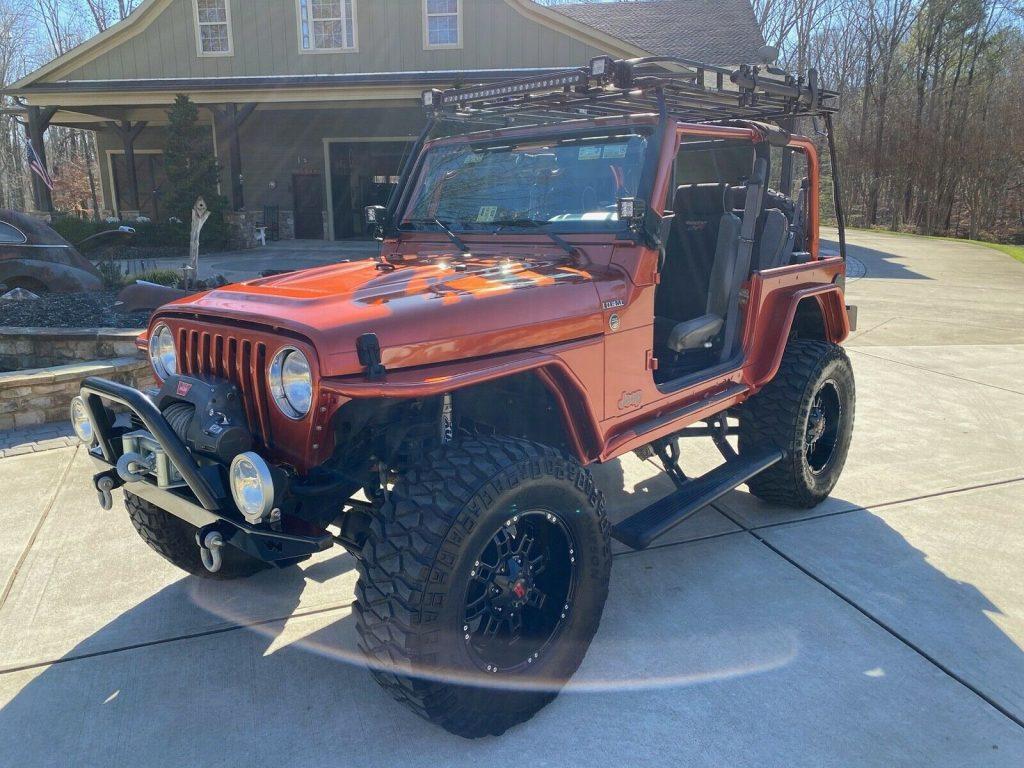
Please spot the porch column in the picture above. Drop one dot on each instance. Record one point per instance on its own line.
(38, 121)
(129, 132)
(229, 120)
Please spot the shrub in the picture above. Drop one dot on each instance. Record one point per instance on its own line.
(216, 235)
(75, 230)
(111, 273)
(167, 277)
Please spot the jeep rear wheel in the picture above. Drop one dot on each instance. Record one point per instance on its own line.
(175, 541)
(482, 583)
(806, 411)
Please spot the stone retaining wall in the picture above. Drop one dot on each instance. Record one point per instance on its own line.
(43, 395)
(30, 348)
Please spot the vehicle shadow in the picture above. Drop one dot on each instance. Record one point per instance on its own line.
(708, 630)
(877, 264)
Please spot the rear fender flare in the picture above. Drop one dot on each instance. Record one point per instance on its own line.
(828, 302)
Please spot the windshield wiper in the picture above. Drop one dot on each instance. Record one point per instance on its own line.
(557, 239)
(444, 227)
(459, 242)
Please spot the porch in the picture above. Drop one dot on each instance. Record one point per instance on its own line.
(302, 154)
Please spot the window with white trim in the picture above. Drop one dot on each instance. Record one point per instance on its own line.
(327, 25)
(213, 27)
(442, 23)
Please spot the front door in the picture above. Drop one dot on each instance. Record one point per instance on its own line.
(308, 191)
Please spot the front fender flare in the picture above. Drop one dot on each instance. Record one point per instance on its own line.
(563, 384)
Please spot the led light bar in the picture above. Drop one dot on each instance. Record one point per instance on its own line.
(435, 99)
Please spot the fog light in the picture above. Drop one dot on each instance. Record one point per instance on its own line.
(80, 421)
(252, 486)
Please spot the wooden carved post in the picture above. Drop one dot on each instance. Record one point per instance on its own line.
(200, 213)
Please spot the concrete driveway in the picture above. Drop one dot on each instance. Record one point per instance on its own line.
(884, 628)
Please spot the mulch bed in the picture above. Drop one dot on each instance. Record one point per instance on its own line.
(70, 310)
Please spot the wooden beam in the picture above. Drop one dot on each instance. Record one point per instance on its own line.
(38, 121)
(229, 120)
(129, 133)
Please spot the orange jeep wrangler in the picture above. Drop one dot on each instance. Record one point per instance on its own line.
(573, 267)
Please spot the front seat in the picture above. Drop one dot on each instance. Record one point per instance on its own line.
(708, 203)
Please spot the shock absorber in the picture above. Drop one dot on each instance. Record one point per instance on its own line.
(447, 427)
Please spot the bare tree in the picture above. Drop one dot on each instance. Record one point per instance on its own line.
(105, 12)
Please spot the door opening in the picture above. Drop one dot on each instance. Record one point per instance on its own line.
(308, 193)
(362, 173)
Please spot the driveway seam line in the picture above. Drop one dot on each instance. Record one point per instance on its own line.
(174, 639)
(715, 505)
(860, 351)
(856, 336)
(880, 505)
(35, 531)
(882, 625)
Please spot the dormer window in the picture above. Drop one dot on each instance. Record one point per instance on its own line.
(327, 26)
(213, 27)
(442, 23)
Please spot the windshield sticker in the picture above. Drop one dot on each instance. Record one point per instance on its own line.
(590, 153)
(615, 150)
(487, 213)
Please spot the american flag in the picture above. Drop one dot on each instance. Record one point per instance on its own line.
(37, 165)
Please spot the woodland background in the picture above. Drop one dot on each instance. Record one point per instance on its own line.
(928, 136)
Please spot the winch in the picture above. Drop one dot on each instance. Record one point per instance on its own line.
(207, 414)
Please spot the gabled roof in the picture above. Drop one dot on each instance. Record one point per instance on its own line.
(712, 31)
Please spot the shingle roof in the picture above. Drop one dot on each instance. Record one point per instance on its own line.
(712, 31)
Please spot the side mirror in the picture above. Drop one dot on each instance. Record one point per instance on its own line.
(376, 215)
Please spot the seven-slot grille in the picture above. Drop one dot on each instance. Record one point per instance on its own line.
(241, 361)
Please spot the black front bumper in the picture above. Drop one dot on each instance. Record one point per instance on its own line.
(204, 502)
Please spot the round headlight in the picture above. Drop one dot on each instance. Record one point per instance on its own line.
(80, 421)
(291, 382)
(162, 353)
(252, 486)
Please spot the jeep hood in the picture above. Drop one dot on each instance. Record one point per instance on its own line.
(426, 311)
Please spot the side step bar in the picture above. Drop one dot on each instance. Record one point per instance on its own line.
(657, 519)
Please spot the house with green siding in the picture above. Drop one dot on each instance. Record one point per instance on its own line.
(311, 104)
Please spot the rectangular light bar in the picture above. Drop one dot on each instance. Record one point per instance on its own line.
(455, 96)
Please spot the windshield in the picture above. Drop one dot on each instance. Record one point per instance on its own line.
(571, 182)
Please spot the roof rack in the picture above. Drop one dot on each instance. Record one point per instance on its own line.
(687, 90)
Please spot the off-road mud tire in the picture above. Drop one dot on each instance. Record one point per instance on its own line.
(778, 416)
(415, 567)
(175, 541)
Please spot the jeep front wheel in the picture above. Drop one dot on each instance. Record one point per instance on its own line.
(482, 583)
(807, 412)
(175, 541)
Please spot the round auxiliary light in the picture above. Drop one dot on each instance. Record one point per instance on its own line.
(291, 382)
(162, 353)
(80, 421)
(252, 486)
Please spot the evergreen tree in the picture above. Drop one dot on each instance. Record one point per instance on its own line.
(189, 163)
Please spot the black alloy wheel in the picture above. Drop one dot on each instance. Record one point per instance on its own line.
(520, 591)
(823, 424)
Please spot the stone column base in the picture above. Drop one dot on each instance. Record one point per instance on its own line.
(243, 228)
